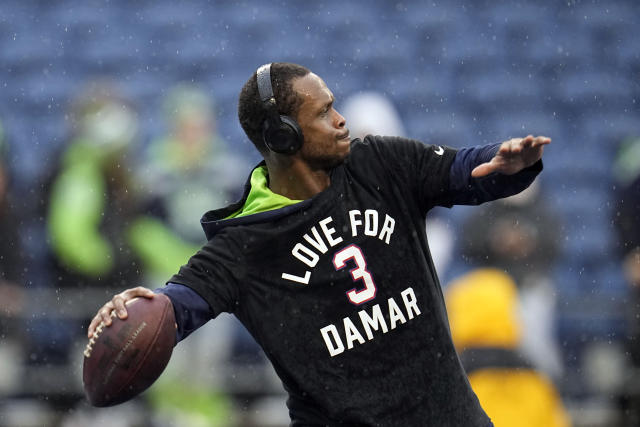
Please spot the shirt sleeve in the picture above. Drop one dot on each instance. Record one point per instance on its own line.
(419, 171)
(441, 176)
(466, 190)
(190, 309)
(213, 274)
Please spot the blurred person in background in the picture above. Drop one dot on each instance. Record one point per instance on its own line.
(373, 113)
(519, 235)
(185, 172)
(486, 329)
(92, 204)
(626, 219)
(11, 255)
(12, 286)
(94, 198)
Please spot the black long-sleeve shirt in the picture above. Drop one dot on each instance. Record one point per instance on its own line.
(340, 289)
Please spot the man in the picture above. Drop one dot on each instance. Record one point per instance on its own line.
(326, 262)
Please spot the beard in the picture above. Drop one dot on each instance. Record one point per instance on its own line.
(322, 159)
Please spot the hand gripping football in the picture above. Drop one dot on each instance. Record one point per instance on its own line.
(124, 359)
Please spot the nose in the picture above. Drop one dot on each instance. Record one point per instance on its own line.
(340, 121)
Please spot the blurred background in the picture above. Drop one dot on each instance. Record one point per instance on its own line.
(119, 129)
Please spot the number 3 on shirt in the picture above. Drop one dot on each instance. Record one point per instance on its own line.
(354, 253)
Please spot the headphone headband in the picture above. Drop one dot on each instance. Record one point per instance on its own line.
(263, 76)
(265, 90)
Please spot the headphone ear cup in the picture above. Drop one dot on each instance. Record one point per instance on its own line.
(296, 132)
(285, 137)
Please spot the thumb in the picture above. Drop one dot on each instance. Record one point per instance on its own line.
(482, 170)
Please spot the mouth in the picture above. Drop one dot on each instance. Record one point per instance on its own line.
(344, 135)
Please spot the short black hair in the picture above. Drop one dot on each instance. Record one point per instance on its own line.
(251, 112)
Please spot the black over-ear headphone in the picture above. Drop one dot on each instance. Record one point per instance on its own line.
(280, 133)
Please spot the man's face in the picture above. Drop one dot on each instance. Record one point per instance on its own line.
(326, 139)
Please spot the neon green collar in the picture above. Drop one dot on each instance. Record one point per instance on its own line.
(261, 198)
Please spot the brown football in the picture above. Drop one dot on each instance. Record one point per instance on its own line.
(124, 359)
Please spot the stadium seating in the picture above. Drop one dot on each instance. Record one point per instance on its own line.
(460, 73)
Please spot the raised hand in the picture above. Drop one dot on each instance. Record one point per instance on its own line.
(513, 156)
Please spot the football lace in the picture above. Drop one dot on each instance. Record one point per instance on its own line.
(92, 341)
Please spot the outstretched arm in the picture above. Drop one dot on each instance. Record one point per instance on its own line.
(484, 173)
(513, 156)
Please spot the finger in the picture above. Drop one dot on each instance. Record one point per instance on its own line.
(122, 298)
(517, 145)
(527, 141)
(136, 292)
(118, 304)
(541, 140)
(100, 318)
(523, 143)
(483, 170)
(141, 291)
(105, 313)
(510, 147)
(505, 148)
(93, 325)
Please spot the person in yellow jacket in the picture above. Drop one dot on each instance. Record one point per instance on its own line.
(483, 316)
